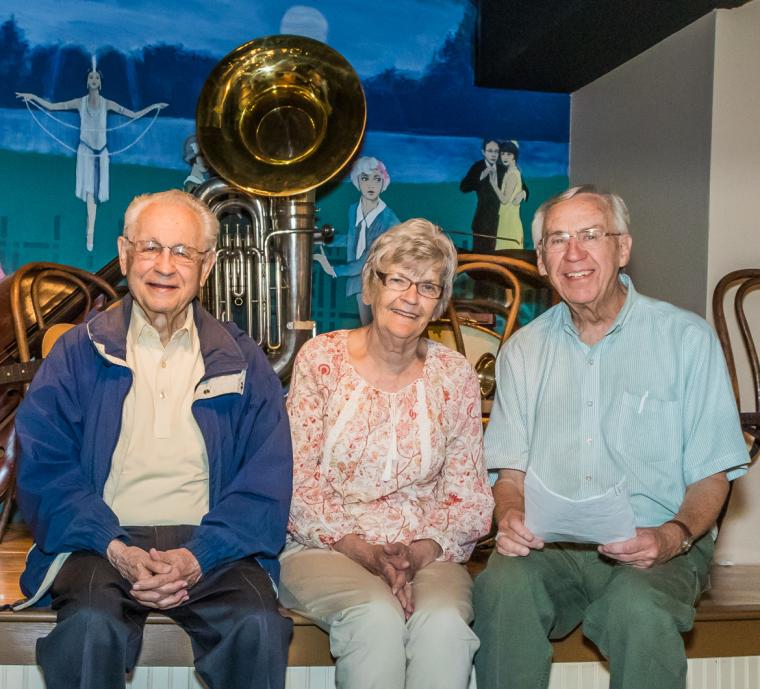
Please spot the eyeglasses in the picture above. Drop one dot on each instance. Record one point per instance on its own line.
(400, 283)
(554, 242)
(150, 250)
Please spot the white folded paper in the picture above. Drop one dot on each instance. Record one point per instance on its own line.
(321, 258)
(605, 518)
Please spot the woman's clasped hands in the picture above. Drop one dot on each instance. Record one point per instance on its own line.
(396, 563)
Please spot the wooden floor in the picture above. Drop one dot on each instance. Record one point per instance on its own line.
(728, 621)
(13, 551)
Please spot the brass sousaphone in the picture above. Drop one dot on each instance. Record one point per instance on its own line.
(276, 118)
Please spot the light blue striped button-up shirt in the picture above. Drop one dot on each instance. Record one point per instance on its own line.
(650, 402)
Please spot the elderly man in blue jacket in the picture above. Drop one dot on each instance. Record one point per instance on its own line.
(156, 472)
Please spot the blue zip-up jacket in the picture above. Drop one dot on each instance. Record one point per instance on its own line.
(70, 420)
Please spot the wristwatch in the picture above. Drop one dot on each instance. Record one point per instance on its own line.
(688, 538)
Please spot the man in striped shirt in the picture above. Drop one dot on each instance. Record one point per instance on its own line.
(608, 389)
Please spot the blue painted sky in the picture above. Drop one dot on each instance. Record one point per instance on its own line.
(409, 158)
(361, 31)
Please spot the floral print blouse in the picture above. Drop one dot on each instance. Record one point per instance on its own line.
(398, 466)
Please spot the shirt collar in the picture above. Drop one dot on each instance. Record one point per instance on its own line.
(108, 331)
(630, 298)
(370, 217)
(141, 329)
(620, 319)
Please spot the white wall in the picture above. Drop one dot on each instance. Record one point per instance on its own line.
(643, 131)
(734, 226)
(734, 216)
(676, 131)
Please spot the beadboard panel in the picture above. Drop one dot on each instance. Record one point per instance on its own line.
(704, 673)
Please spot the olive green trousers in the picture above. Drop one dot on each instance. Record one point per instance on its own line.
(634, 616)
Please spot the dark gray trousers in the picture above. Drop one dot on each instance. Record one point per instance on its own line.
(239, 639)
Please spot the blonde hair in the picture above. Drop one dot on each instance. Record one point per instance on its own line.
(415, 241)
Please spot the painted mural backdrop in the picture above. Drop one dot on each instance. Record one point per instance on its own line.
(97, 104)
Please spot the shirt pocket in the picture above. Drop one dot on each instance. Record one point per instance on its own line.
(648, 429)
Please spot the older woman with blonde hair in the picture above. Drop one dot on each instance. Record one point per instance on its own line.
(390, 490)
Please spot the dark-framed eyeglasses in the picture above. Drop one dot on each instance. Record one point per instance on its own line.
(401, 283)
(150, 250)
(589, 238)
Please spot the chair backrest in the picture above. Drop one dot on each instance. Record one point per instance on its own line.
(512, 307)
(526, 271)
(745, 281)
(35, 285)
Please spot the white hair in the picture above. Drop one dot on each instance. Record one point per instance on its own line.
(209, 222)
(612, 204)
(367, 164)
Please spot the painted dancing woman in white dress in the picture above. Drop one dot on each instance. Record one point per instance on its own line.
(92, 153)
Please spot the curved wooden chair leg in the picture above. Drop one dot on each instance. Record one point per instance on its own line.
(5, 515)
(456, 328)
(9, 401)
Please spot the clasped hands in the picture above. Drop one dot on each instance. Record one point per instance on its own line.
(650, 546)
(161, 579)
(396, 563)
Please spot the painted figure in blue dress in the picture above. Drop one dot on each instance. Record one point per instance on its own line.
(368, 218)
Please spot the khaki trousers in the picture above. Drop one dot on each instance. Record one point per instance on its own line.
(374, 647)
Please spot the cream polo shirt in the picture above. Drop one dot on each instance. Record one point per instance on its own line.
(159, 469)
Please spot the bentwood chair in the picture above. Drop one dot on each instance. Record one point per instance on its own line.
(466, 333)
(745, 281)
(512, 305)
(36, 289)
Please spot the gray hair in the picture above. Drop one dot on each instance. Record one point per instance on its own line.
(367, 164)
(209, 222)
(413, 242)
(612, 204)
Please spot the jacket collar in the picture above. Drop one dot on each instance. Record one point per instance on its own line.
(221, 354)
